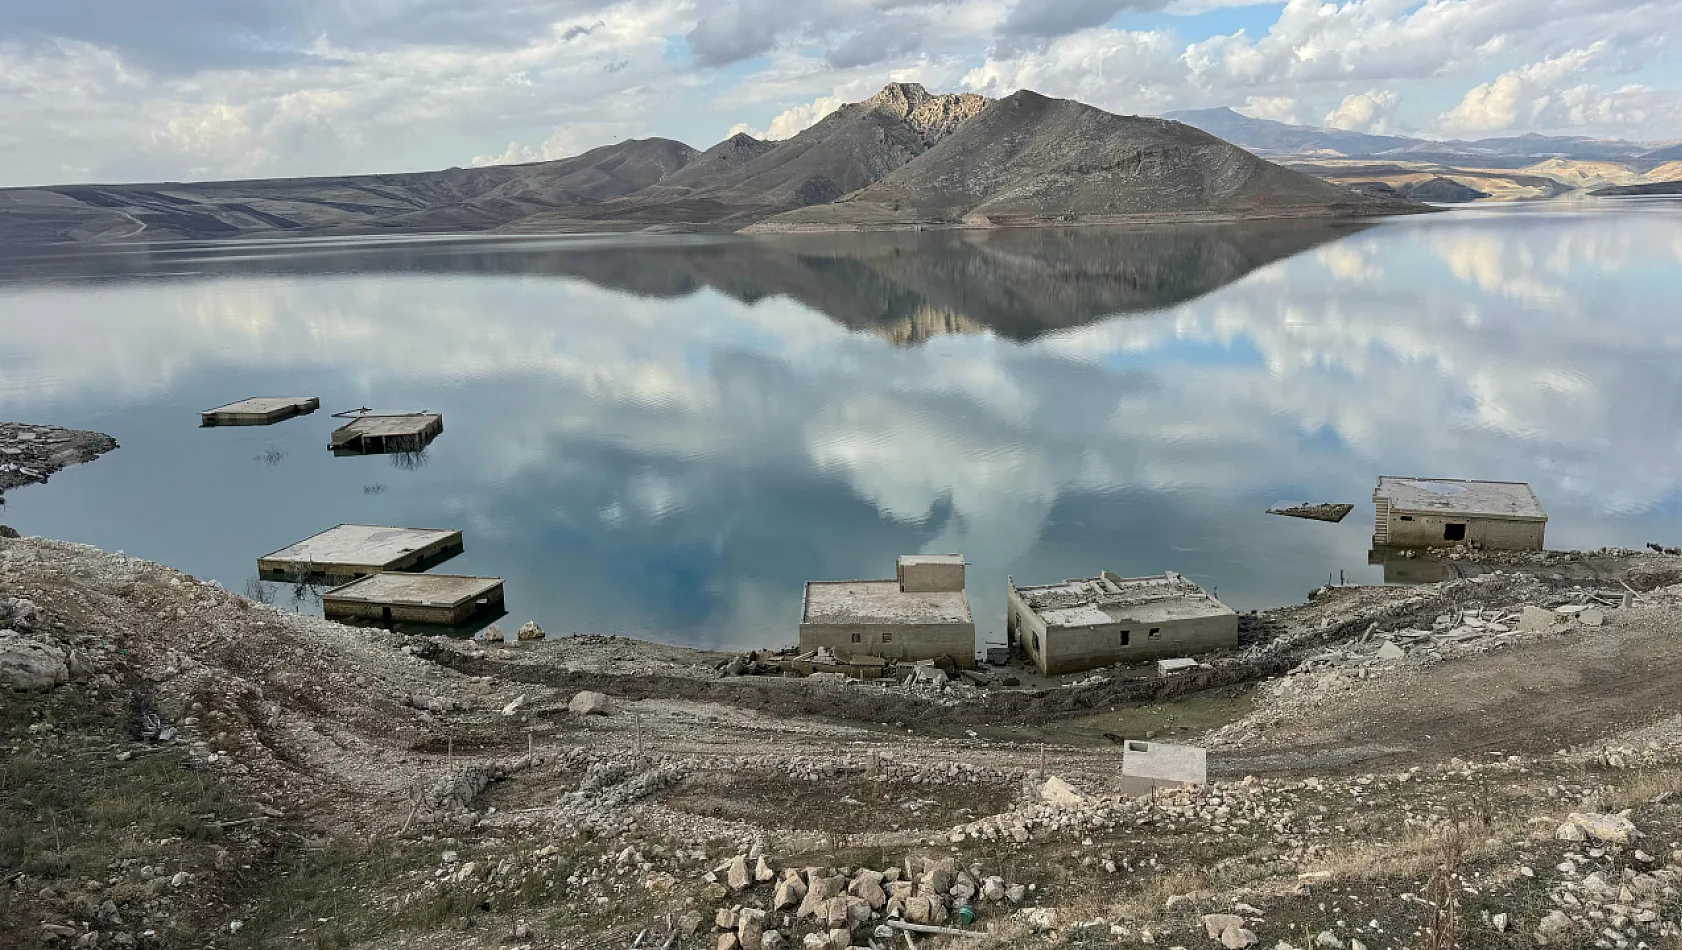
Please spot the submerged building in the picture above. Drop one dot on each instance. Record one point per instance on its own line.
(921, 614)
(1096, 621)
(1438, 512)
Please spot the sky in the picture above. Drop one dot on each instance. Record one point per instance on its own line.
(111, 90)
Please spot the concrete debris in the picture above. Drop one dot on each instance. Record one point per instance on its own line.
(1390, 651)
(588, 703)
(1057, 792)
(1333, 512)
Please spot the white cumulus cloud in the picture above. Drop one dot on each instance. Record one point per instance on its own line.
(1370, 111)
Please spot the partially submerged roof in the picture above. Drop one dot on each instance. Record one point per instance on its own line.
(881, 602)
(1511, 500)
(421, 590)
(363, 544)
(1106, 599)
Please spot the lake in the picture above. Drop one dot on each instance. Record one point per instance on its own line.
(665, 436)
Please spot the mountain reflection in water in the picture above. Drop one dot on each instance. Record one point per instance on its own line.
(667, 436)
(907, 286)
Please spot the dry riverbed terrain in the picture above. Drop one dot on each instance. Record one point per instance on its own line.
(1489, 761)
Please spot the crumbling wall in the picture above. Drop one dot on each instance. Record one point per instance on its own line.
(1025, 627)
(1496, 534)
(1069, 650)
(896, 641)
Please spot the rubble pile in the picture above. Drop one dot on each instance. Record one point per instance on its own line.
(1470, 628)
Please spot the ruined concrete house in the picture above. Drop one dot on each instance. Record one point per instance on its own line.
(1439, 512)
(1096, 621)
(919, 615)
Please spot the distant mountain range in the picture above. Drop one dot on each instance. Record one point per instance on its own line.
(1503, 169)
(1268, 137)
(901, 159)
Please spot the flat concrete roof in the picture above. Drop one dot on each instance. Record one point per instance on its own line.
(1107, 599)
(407, 424)
(419, 590)
(881, 602)
(1458, 496)
(264, 405)
(362, 544)
(947, 559)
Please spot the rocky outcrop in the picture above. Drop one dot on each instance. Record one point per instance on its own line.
(28, 664)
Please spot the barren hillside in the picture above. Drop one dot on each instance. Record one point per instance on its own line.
(850, 148)
(1031, 159)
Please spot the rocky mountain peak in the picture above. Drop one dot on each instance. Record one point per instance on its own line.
(934, 117)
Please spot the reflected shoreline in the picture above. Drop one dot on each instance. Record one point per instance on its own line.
(904, 286)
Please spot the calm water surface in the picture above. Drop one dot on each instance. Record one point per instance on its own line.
(665, 437)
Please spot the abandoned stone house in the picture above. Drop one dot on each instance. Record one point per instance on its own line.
(1440, 512)
(1096, 621)
(921, 614)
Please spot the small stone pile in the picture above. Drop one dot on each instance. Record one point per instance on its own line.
(830, 904)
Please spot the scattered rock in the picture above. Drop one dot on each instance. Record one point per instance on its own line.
(818, 892)
(1553, 927)
(1238, 938)
(750, 928)
(1613, 829)
(789, 891)
(1217, 924)
(515, 705)
(1041, 919)
(1390, 651)
(736, 875)
(589, 703)
(530, 631)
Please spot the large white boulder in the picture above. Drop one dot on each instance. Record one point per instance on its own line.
(589, 703)
(27, 664)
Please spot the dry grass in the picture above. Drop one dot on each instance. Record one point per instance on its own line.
(1442, 929)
